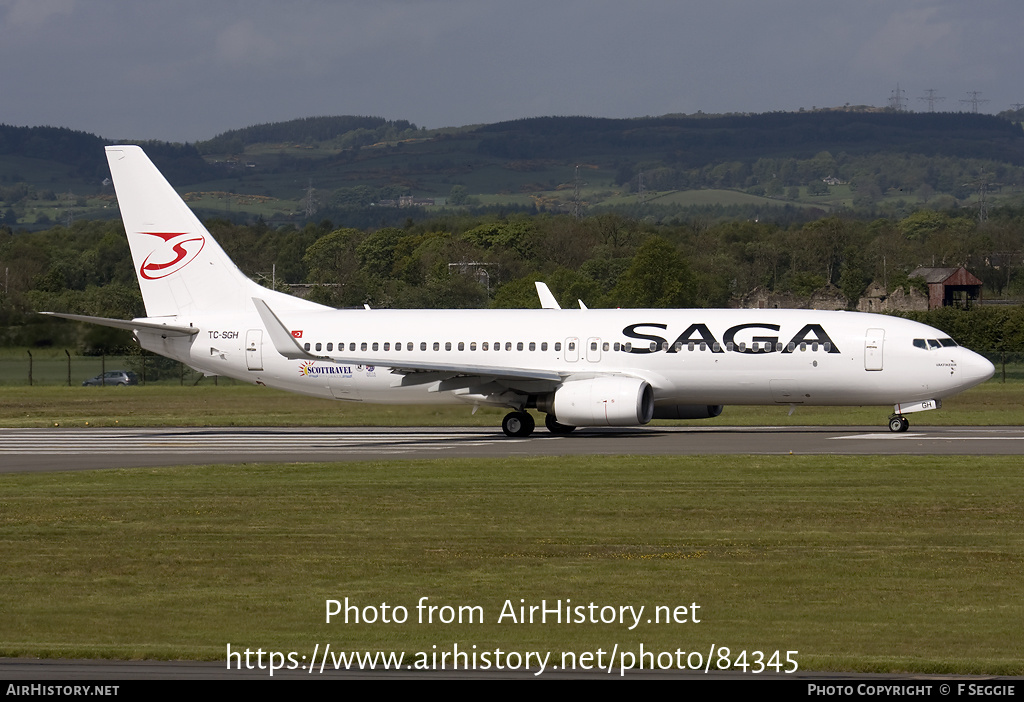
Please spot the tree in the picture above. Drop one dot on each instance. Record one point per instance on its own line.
(659, 276)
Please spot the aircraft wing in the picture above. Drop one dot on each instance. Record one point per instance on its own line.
(132, 325)
(289, 347)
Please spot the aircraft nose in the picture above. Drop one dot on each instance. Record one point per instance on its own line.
(974, 368)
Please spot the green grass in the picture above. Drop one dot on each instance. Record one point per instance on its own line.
(880, 564)
(234, 404)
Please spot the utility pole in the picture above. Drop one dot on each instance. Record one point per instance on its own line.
(310, 202)
(931, 98)
(577, 206)
(973, 101)
(896, 99)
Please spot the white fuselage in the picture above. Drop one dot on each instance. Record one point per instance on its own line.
(693, 357)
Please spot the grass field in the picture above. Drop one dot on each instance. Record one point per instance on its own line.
(871, 564)
(233, 404)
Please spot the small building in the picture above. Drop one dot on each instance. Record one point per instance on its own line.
(949, 287)
(879, 300)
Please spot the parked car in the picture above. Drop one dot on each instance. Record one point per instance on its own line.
(115, 377)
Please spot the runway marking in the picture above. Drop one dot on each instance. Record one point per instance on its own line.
(928, 437)
(66, 442)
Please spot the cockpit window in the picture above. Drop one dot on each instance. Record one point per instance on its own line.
(934, 343)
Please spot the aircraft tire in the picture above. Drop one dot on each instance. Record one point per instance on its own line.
(555, 427)
(898, 423)
(517, 424)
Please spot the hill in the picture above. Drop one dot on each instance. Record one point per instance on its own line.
(368, 170)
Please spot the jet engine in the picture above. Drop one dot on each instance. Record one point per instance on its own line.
(612, 401)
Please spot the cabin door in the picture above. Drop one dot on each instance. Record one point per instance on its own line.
(254, 349)
(874, 340)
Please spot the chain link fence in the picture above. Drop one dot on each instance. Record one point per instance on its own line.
(48, 368)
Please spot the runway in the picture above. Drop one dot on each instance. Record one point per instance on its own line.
(59, 449)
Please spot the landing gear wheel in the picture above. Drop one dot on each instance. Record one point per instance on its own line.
(554, 427)
(518, 424)
(898, 423)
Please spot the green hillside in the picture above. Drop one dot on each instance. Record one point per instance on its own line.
(355, 169)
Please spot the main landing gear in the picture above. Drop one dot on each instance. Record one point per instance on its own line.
(898, 423)
(517, 424)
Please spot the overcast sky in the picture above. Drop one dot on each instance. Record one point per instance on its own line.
(186, 70)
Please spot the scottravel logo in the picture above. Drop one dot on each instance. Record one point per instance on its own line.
(174, 252)
(309, 369)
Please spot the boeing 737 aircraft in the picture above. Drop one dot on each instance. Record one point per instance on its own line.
(580, 367)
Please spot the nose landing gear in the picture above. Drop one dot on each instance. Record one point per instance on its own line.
(898, 423)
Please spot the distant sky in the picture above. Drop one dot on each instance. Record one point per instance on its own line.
(186, 70)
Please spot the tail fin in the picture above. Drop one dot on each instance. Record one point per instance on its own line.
(182, 270)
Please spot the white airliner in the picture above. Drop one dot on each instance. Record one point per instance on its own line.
(581, 367)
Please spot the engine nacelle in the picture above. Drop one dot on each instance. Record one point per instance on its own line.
(687, 411)
(613, 401)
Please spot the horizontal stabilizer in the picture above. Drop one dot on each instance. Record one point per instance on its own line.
(132, 325)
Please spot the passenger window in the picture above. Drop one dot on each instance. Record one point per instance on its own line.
(533, 346)
(703, 346)
(827, 346)
(375, 346)
(484, 346)
(387, 346)
(423, 346)
(814, 346)
(362, 346)
(558, 346)
(627, 347)
(519, 346)
(437, 346)
(593, 346)
(330, 347)
(604, 346)
(571, 346)
(508, 345)
(717, 347)
(318, 346)
(306, 346)
(462, 346)
(618, 346)
(447, 346)
(543, 346)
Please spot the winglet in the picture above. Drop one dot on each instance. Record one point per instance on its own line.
(282, 339)
(547, 300)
